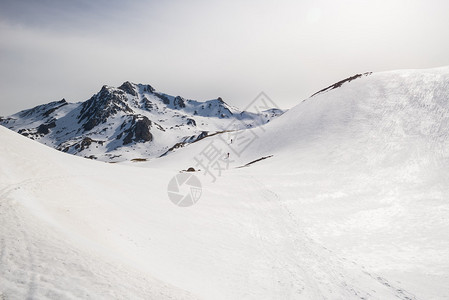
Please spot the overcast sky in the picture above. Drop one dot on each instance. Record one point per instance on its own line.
(54, 49)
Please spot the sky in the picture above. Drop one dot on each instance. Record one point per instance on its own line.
(54, 49)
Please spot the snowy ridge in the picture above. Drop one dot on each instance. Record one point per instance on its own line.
(131, 121)
(364, 169)
(341, 82)
(400, 116)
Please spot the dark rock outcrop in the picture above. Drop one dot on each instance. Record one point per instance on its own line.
(128, 88)
(147, 104)
(138, 131)
(341, 82)
(78, 146)
(52, 110)
(164, 98)
(178, 102)
(148, 88)
(101, 106)
(191, 122)
(45, 128)
(44, 110)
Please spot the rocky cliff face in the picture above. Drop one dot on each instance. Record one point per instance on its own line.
(102, 106)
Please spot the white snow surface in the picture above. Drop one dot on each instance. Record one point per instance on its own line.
(353, 204)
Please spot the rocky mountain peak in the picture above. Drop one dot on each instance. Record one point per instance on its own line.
(148, 88)
(132, 120)
(42, 111)
(128, 88)
(179, 102)
(101, 106)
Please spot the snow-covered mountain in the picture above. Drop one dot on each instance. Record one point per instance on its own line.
(350, 202)
(128, 122)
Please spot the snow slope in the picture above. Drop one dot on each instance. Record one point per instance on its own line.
(352, 205)
(366, 168)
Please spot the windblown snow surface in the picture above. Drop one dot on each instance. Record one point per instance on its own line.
(353, 204)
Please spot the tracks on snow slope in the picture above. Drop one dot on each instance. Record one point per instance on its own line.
(37, 261)
(16, 257)
(307, 269)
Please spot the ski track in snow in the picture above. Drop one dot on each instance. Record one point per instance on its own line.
(36, 264)
(20, 244)
(326, 273)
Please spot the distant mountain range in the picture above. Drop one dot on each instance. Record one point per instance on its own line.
(128, 122)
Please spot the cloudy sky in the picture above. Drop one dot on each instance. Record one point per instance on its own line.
(54, 49)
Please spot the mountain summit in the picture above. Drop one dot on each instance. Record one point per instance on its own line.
(129, 121)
